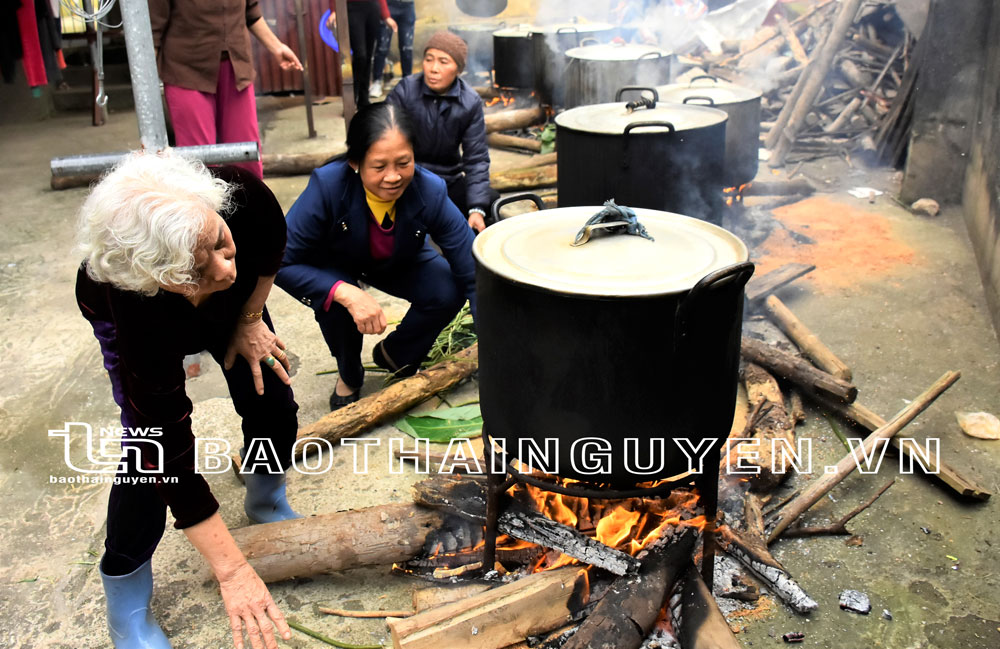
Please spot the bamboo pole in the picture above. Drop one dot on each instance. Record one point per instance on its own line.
(806, 340)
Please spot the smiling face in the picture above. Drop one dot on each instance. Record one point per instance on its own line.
(387, 168)
(214, 259)
(440, 70)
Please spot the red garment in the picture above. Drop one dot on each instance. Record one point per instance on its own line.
(34, 64)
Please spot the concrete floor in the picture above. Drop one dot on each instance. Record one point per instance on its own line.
(899, 328)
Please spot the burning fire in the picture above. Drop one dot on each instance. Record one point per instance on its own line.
(735, 194)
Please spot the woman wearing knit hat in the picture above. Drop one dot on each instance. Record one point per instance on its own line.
(448, 114)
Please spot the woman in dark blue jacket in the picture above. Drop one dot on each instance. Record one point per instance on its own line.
(366, 219)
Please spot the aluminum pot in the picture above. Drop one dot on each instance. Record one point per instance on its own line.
(479, 38)
(481, 8)
(582, 349)
(743, 128)
(513, 58)
(643, 154)
(549, 44)
(596, 72)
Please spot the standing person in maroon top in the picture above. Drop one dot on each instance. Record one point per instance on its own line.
(206, 65)
(364, 20)
(161, 279)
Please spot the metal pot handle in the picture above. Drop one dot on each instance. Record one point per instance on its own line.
(624, 89)
(649, 55)
(528, 196)
(589, 39)
(715, 80)
(739, 273)
(708, 100)
(634, 125)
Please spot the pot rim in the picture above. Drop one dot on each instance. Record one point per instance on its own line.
(615, 52)
(613, 118)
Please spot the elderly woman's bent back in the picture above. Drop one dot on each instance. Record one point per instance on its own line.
(162, 279)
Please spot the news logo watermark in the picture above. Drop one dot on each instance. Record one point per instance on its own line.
(110, 449)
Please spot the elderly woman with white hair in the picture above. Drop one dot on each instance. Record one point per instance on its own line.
(162, 279)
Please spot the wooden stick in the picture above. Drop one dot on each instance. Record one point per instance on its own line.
(773, 422)
(822, 485)
(844, 117)
(806, 340)
(343, 612)
(840, 526)
(322, 544)
(796, 370)
(761, 286)
(498, 617)
(772, 574)
(513, 142)
(702, 624)
(871, 421)
(392, 401)
(794, 44)
(812, 86)
(765, 36)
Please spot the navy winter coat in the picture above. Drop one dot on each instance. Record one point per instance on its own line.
(442, 123)
(328, 234)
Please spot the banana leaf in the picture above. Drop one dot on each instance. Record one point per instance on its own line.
(443, 425)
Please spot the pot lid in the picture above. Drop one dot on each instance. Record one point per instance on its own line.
(475, 27)
(611, 119)
(519, 31)
(534, 249)
(569, 28)
(721, 92)
(616, 52)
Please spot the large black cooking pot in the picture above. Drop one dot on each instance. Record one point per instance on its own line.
(513, 58)
(584, 348)
(595, 72)
(742, 129)
(549, 44)
(643, 154)
(479, 38)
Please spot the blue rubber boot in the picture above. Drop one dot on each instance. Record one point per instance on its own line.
(266, 501)
(130, 621)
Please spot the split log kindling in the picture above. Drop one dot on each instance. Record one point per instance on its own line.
(467, 498)
(524, 179)
(770, 421)
(806, 340)
(797, 370)
(868, 419)
(498, 617)
(626, 614)
(819, 487)
(512, 120)
(815, 76)
(322, 544)
(761, 286)
(392, 401)
(502, 141)
(702, 624)
(428, 598)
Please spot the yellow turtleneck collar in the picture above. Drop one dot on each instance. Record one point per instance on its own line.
(380, 208)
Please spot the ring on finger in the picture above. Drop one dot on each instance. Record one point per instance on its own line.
(270, 361)
(280, 353)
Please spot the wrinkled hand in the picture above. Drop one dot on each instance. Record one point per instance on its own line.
(365, 311)
(250, 606)
(255, 342)
(476, 221)
(392, 25)
(286, 58)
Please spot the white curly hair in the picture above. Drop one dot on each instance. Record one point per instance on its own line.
(139, 226)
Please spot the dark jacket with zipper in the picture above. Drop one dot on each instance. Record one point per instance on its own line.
(328, 234)
(443, 123)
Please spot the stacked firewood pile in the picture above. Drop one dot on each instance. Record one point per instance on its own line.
(836, 79)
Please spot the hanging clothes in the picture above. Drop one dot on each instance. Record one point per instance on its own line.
(10, 39)
(50, 41)
(34, 65)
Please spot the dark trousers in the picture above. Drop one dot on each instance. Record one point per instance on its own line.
(365, 24)
(428, 285)
(457, 192)
(136, 514)
(406, 17)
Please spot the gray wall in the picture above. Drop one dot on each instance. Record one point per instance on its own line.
(981, 197)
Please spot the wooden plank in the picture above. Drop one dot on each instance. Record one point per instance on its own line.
(428, 598)
(762, 286)
(498, 617)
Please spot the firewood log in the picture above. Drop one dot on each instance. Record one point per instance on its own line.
(513, 119)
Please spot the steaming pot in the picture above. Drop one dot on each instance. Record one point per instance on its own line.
(622, 337)
(643, 154)
(549, 44)
(513, 61)
(595, 72)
